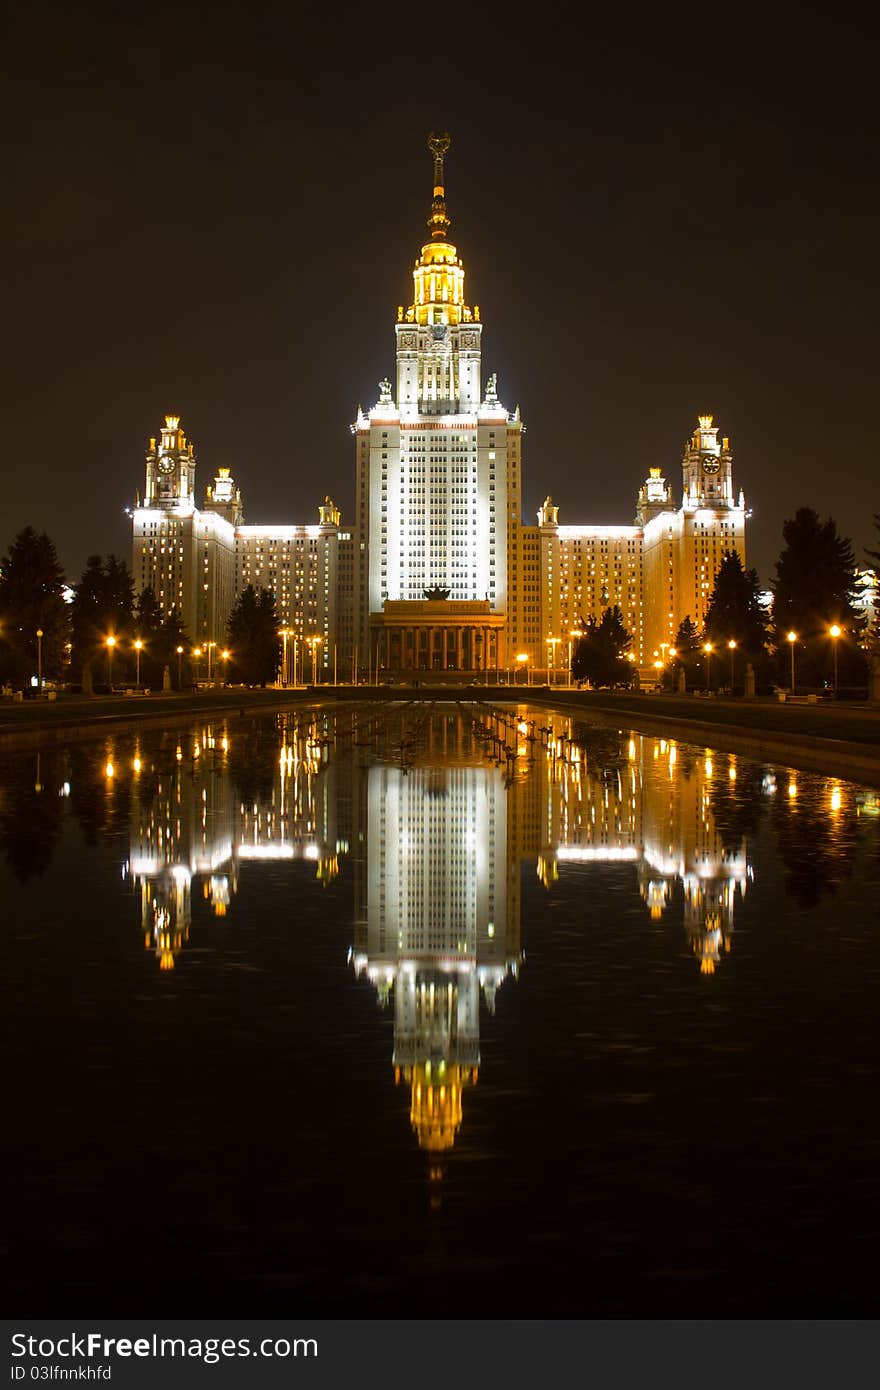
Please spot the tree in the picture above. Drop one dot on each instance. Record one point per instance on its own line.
(814, 588)
(599, 655)
(253, 637)
(32, 598)
(147, 627)
(735, 609)
(688, 649)
(103, 606)
(171, 635)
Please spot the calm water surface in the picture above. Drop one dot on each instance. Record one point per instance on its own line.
(435, 1010)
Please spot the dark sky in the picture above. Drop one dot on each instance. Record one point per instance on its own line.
(214, 210)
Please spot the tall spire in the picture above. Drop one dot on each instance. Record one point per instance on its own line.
(438, 222)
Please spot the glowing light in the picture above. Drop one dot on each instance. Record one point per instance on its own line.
(835, 630)
(792, 790)
(110, 770)
(137, 764)
(836, 799)
(791, 637)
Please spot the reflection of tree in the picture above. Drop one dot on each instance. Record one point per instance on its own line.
(738, 806)
(603, 748)
(31, 813)
(251, 763)
(816, 848)
(100, 803)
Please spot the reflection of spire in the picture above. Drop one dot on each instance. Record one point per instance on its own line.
(435, 1106)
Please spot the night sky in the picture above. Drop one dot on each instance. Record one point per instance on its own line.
(215, 211)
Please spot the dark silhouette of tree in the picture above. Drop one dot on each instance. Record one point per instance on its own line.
(688, 649)
(32, 597)
(103, 606)
(814, 588)
(734, 608)
(874, 555)
(171, 635)
(253, 637)
(147, 627)
(599, 656)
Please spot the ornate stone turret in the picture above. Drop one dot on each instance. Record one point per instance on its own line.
(655, 496)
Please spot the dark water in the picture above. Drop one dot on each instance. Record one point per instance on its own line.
(356, 1014)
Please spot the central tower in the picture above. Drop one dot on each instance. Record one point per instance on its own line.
(438, 479)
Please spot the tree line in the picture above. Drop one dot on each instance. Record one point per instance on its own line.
(814, 592)
(814, 588)
(61, 632)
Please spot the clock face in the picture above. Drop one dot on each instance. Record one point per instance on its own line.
(711, 464)
(166, 464)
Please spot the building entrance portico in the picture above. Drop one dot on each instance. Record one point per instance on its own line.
(437, 635)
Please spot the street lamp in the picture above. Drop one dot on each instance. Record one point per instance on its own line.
(197, 652)
(835, 632)
(314, 643)
(572, 633)
(731, 647)
(209, 645)
(285, 633)
(111, 643)
(179, 659)
(707, 648)
(791, 638)
(552, 643)
(39, 660)
(138, 647)
(523, 661)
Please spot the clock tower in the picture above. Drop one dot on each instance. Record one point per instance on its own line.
(707, 479)
(171, 469)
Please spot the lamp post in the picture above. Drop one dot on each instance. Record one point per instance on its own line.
(552, 643)
(314, 643)
(523, 661)
(179, 659)
(284, 636)
(835, 632)
(138, 647)
(573, 632)
(39, 661)
(731, 647)
(197, 652)
(791, 638)
(209, 645)
(111, 643)
(224, 656)
(707, 648)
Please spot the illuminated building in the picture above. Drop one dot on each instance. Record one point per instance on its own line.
(438, 572)
(438, 479)
(433, 917)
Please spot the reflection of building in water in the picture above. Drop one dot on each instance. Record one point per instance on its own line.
(190, 825)
(634, 802)
(435, 919)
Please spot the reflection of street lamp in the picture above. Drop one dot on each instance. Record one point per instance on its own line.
(707, 648)
(731, 646)
(39, 660)
(179, 658)
(111, 643)
(791, 638)
(835, 632)
(138, 647)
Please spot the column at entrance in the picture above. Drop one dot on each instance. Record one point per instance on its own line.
(445, 644)
(458, 645)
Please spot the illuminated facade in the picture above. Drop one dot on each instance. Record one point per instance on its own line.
(438, 572)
